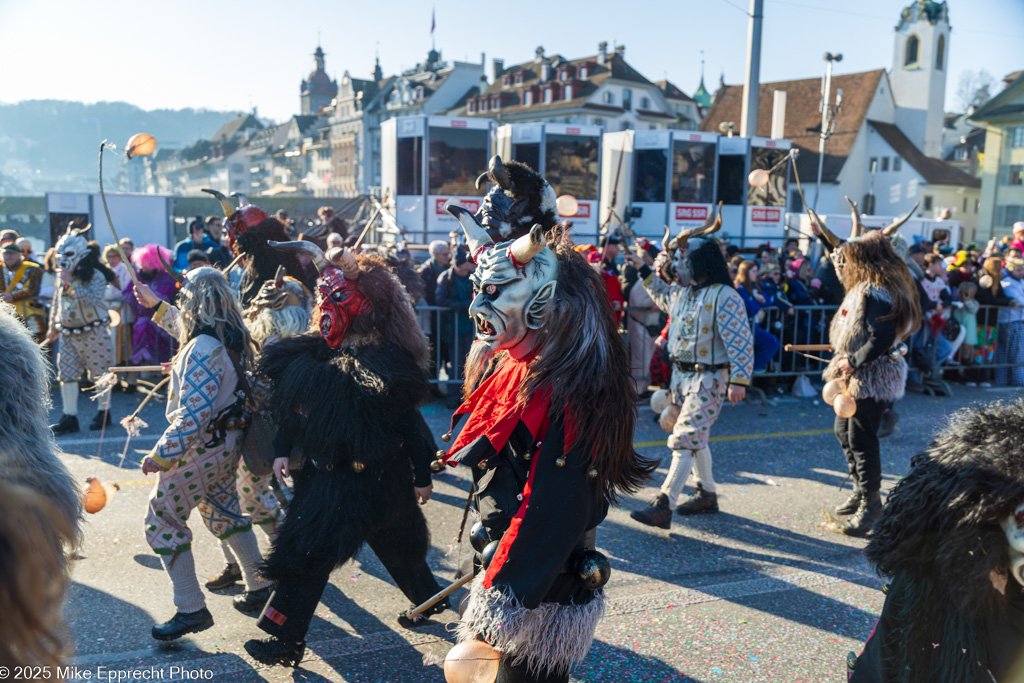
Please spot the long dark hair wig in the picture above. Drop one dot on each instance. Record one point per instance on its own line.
(92, 262)
(872, 259)
(583, 362)
(265, 259)
(940, 533)
(708, 266)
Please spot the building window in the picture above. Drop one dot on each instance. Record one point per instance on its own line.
(1016, 175)
(873, 165)
(597, 121)
(626, 125)
(897, 163)
(885, 164)
(583, 72)
(927, 203)
(910, 52)
(960, 154)
(645, 103)
(1008, 215)
(528, 97)
(548, 95)
(568, 92)
(940, 56)
(563, 75)
(608, 97)
(977, 205)
(519, 78)
(627, 99)
(506, 81)
(472, 106)
(1016, 136)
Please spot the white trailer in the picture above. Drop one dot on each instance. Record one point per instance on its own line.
(145, 218)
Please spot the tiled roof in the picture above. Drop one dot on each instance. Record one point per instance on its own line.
(934, 171)
(803, 120)
(672, 91)
(230, 129)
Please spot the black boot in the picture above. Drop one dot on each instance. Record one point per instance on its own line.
(852, 503)
(888, 424)
(252, 602)
(867, 514)
(658, 513)
(68, 425)
(701, 501)
(101, 420)
(183, 623)
(228, 576)
(272, 651)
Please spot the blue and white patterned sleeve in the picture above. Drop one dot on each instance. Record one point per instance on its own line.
(736, 335)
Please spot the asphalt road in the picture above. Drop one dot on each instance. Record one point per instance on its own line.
(761, 591)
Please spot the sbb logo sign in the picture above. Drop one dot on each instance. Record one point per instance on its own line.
(471, 205)
(766, 215)
(691, 213)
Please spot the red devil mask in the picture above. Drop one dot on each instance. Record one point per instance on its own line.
(340, 301)
(238, 221)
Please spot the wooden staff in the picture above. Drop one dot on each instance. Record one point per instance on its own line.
(136, 368)
(444, 593)
(807, 347)
(117, 240)
(234, 262)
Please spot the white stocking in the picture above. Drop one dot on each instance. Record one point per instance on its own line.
(703, 469)
(69, 397)
(682, 463)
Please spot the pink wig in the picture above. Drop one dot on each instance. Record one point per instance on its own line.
(146, 258)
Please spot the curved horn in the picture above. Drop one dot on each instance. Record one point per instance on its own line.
(476, 236)
(171, 271)
(229, 210)
(528, 246)
(858, 226)
(481, 180)
(242, 199)
(890, 229)
(349, 266)
(497, 173)
(666, 239)
(714, 223)
(829, 235)
(310, 249)
(280, 275)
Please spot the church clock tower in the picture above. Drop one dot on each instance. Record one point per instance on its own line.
(918, 75)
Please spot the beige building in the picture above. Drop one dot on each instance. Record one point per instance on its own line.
(1002, 180)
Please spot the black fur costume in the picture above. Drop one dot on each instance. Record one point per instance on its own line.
(264, 260)
(352, 413)
(938, 540)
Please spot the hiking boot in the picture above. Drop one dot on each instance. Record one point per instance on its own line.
(68, 425)
(101, 420)
(252, 602)
(888, 424)
(700, 501)
(229, 576)
(271, 651)
(869, 512)
(183, 623)
(852, 503)
(658, 513)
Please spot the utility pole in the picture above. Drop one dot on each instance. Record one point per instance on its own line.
(828, 117)
(752, 85)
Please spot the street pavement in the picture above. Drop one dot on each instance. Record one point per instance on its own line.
(761, 591)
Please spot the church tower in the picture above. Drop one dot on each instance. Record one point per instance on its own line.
(918, 76)
(317, 91)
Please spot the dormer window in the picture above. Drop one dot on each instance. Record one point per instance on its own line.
(472, 106)
(584, 71)
(506, 81)
(527, 97)
(519, 78)
(567, 94)
(483, 105)
(549, 95)
(419, 92)
(563, 75)
(495, 102)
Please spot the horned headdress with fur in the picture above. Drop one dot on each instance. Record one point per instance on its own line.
(692, 256)
(519, 199)
(858, 230)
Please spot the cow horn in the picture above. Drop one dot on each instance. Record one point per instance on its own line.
(476, 236)
(713, 223)
(497, 173)
(858, 226)
(242, 199)
(528, 246)
(310, 249)
(890, 229)
(829, 235)
(171, 271)
(666, 239)
(229, 210)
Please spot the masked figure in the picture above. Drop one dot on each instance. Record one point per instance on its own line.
(196, 457)
(280, 310)
(22, 279)
(249, 230)
(549, 433)
(79, 319)
(151, 344)
(951, 543)
(710, 348)
(519, 199)
(345, 400)
(880, 311)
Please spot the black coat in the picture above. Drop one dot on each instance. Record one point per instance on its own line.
(352, 413)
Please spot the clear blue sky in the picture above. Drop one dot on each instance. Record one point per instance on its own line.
(229, 54)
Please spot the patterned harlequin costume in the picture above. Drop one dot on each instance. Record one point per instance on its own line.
(710, 346)
(23, 286)
(549, 441)
(197, 453)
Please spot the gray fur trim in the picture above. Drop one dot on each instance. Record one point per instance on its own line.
(28, 454)
(883, 379)
(550, 639)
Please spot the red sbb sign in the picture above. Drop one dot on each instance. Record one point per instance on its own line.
(691, 213)
(458, 123)
(765, 215)
(471, 205)
(582, 212)
(695, 138)
(572, 131)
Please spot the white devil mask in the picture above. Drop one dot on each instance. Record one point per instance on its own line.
(513, 283)
(1013, 526)
(71, 249)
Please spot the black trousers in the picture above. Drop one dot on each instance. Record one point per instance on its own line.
(518, 674)
(858, 437)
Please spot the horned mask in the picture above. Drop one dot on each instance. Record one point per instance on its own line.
(689, 241)
(71, 248)
(519, 198)
(857, 231)
(238, 221)
(513, 283)
(338, 298)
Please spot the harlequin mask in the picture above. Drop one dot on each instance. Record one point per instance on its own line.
(1013, 526)
(238, 221)
(71, 249)
(513, 282)
(338, 298)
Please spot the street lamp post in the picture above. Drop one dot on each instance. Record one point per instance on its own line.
(828, 117)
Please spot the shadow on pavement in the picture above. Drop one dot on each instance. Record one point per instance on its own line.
(607, 663)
